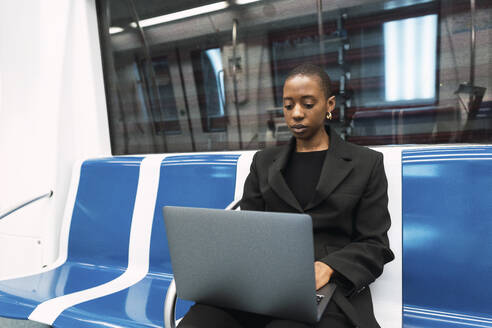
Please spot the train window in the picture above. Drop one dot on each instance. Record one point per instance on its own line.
(207, 75)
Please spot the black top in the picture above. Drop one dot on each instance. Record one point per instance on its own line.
(302, 174)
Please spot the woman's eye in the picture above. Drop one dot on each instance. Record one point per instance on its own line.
(309, 106)
(288, 107)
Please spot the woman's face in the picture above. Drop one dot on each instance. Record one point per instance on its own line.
(305, 105)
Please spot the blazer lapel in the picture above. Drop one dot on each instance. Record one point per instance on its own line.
(276, 179)
(336, 166)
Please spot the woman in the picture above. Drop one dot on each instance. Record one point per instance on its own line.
(341, 186)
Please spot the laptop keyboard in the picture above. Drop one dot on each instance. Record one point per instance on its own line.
(319, 298)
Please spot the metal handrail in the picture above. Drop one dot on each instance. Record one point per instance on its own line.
(18, 207)
(171, 295)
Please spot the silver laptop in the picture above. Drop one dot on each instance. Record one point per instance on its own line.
(260, 262)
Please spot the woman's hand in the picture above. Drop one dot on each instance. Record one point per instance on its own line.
(322, 273)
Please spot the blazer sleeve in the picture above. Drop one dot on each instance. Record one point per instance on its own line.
(252, 199)
(361, 261)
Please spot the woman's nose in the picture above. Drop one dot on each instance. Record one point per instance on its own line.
(297, 113)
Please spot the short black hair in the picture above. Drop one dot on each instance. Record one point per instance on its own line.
(310, 69)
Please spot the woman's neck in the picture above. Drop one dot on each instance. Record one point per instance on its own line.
(320, 141)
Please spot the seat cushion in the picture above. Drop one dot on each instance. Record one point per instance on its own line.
(19, 297)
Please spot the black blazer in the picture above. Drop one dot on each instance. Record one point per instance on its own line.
(349, 211)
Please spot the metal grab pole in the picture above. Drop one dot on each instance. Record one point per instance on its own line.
(21, 205)
(234, 80)
(319, 10)
(473, 42)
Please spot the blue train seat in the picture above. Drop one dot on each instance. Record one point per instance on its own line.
(185, 180)
(120, 224)
(98, 245)
(447, 244)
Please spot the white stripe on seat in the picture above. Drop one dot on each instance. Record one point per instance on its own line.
(387, 290)
(138, 252)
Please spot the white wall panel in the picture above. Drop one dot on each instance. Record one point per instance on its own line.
(11, 246)
(52, 112)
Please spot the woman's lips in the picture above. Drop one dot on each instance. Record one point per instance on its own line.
(298, 128)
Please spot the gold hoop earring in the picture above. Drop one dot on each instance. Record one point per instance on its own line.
(329, 116)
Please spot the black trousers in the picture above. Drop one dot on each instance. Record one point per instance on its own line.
(204, 316)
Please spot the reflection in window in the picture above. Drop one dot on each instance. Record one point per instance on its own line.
(169, 122)
(209, 79)
(394, 78)
(216, 61)
(410, 58)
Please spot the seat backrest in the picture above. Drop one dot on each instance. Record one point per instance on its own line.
(447, 228)
(196, 180)
(103, 210)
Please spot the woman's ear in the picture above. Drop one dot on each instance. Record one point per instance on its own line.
(330, 103)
